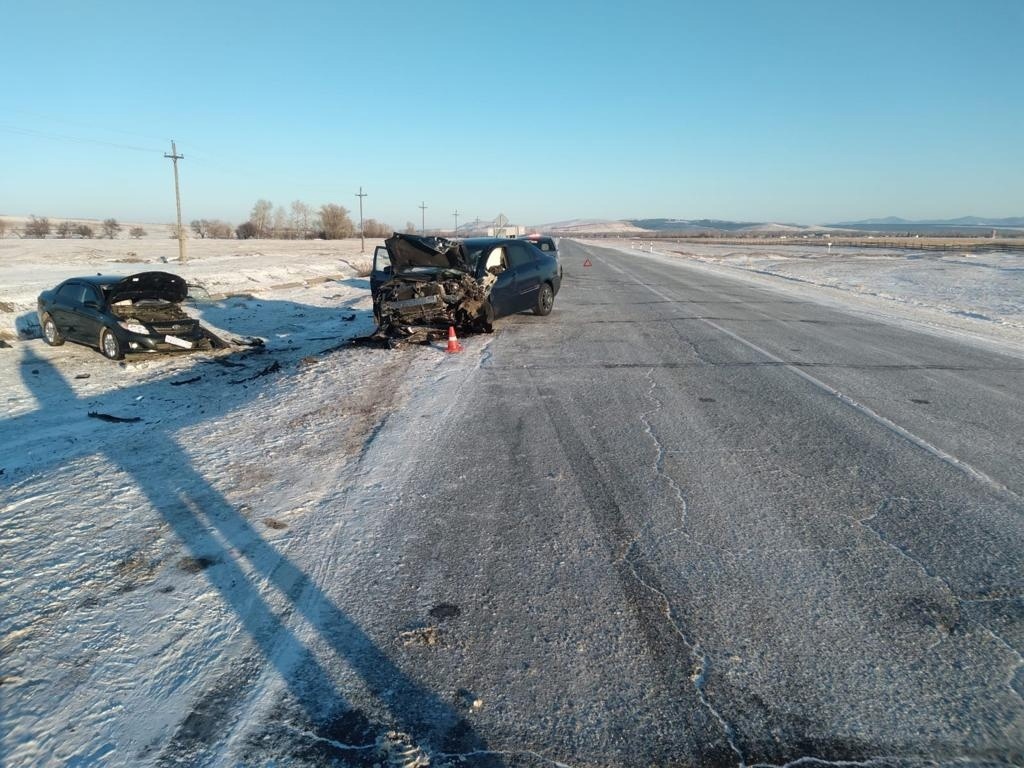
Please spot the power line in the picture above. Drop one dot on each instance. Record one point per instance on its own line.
(76, 139)
(79, 124)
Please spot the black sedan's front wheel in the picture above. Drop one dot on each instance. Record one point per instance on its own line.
(110, 346)
(51, 333)
(545, 300)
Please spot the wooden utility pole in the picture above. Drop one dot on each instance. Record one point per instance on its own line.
(423, 218)
(456, 215)
(175, 157)
(362, 239)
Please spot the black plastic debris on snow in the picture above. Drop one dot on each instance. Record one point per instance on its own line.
(193, 380)
(393, 337)
(114, 419)
(5, 345)
(223, 361)
(274, 367)
(250, 341)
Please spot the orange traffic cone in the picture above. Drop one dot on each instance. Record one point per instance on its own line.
(453, 340)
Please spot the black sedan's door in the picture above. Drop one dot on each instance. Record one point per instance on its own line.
(67, 311)
(503, 292)
(91, 315)
(526, 268)
(381, 271)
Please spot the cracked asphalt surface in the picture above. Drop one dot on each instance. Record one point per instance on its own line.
(688, 521)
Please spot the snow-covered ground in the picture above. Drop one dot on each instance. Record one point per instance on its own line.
(145, 562)
(977, 295)
(114, 621)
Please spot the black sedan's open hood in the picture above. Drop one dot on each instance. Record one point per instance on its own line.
(408, 251)
(149, 285)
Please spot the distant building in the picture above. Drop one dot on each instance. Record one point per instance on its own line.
(499, 226)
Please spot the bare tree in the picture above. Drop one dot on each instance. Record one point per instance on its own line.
(302, 218)
(111, 228)
(335, 222)
(137, 232)
(219, 230)
(200, 227)
(65, 229)
(410, 228)
(84, 230)
(37, 227)
(246, 230)
(260, 216)
(374, 228)
(3, 228)
(280, 226)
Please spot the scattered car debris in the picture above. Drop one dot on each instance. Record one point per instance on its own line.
(82, 375)
(274, 367)
(4, 345)
(349, 318)
(223, 361)
(309, 360)
(443, 611)
(337, 347)
(182, 382)
(114, 419)
(251, 341)
(421, 636)
(399, 751)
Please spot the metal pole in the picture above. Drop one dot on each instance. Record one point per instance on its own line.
(175, 157)
(456, 215)
(423, 218)
(362, 238)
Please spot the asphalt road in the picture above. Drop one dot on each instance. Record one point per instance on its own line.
(687, 521)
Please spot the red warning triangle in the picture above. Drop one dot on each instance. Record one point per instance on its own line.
(586, 263)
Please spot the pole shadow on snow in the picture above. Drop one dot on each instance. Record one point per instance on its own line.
(224, 546)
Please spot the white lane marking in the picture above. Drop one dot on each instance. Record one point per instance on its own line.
(920, 442)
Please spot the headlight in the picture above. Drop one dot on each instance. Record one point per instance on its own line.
(134, 327)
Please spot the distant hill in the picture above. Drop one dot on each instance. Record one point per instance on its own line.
(663, 226)
(964, 223)
(968, 225)
(713, 226)
(592, 227)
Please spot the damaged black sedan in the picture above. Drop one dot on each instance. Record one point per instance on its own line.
(119, 315)
(423, 285)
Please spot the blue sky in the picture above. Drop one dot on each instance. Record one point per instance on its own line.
(774, 110)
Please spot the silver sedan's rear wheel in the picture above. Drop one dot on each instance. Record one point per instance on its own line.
(110, 346)
(51, 333)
